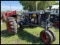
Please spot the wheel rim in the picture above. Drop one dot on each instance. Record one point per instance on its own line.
(44, 37)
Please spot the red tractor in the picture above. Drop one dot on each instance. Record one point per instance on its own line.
(9, 18)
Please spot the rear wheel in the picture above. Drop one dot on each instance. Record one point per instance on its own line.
(13, 25)
(46, 36)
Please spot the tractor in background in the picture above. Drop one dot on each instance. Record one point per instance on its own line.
(10, 18)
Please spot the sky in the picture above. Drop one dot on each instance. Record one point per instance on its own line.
(15, 5)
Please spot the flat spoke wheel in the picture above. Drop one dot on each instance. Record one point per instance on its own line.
(46, 37)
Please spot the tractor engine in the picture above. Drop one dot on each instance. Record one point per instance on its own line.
(8, 14)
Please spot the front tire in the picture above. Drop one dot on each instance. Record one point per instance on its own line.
(52, 33)
(46, 36)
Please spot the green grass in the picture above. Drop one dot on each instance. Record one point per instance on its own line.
(28, 35)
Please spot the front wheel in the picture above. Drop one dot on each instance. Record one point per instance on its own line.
(52, 33)
(46, 36)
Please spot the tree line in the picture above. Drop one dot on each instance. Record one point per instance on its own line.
(31, 5)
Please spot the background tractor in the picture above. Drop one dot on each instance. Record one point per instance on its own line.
(10, 19)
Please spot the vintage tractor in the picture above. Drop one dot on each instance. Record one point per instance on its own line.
(34, 19)
(10, 19)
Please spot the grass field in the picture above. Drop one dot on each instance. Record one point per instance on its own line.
(26, 36)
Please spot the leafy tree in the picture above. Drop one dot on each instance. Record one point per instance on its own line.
(31, 5)
(28, 5)
(44, 4)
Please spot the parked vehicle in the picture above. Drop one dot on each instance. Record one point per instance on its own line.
(9, 18)
(12, 19)
(33, 19)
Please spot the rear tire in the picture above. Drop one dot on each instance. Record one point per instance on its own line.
(13, 25)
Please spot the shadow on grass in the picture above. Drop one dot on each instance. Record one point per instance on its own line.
(22, 34)
(27, 26)
(4, 33)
